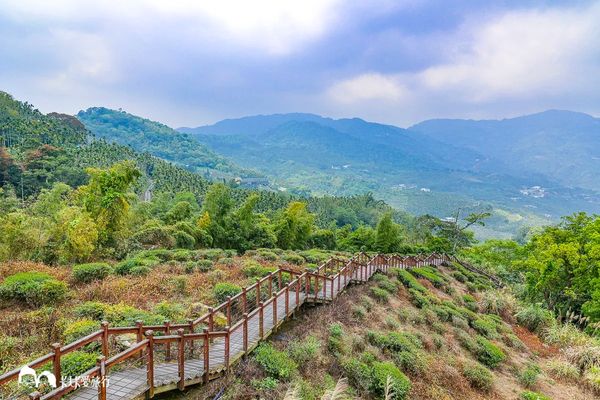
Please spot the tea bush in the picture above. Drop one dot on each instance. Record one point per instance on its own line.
(78, 329)
(400, 383)
(275, 363)
(303, 351)
(479, 377)
(33, 288)
(380, 295)
(409, 280)
(488, 353)
(534, 317)
(528, 395)
(76, 363)
(529, 376)
(86, 273)
(223, 290)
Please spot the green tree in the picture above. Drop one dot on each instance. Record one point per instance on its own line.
(294, 226)
(106, 197)
(388, 235)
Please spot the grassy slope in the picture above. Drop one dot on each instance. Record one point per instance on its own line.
(442, 378)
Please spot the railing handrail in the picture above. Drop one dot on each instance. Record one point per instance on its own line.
(299, 283)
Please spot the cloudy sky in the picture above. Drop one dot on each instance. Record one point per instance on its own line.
(190, 62)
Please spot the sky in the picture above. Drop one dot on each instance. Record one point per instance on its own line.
(191, 62)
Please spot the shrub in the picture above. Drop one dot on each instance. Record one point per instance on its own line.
(534, 317)
(92, 310)
(136, 266)
(592, 378)
(335, 342)
(459, 276)
(529, 376)
(276, 364)
(171, 311)
(124, 315)
(470, 302)
(479, 377)
(485, 327)
(359, 374)
(513, 341)
(388, 285)
(78, 329)
(563, 370)
(466, 340)
(409, 280)
(412, 361)
(430, 274)
(379, 294)
(394, 341)
(86, 273)
(527, 395)
(34, 288)
(584, 357)
(267, 383)
(488, 353)
(205, 265)
(399, 382)
(418, 299)
(184, 240)
(76, 363)
(565, 335)
(140, 270)
(293, 258)
(304, 351)
(497, 302)
(227, 261)
(223, 290)
(359, 312)
(267, 255)
(252, 269)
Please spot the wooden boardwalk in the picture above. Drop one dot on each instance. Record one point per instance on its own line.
(173, 356)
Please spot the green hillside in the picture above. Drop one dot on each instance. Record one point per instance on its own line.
(144, 135)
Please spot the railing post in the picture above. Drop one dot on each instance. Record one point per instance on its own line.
(258, 298)
(140, 333)
(279, 280)
(227, 347)
(298, 284)
(270, 284)
(150, 363)
(245, 333)
(181, 358)
(168, 344)
(56, 361)
(261, 307)
(324, 288)
(275, 313)
(244, 300)
(104, 326)
(206, 355)
(287, 299)
(191, 328)
(35, 396)
(101, 363)
(229, 310)
(211, 321)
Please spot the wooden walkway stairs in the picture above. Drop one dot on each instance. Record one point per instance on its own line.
(174, 356)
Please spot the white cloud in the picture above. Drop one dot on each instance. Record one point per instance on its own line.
(367, 87)
(275, 26)
(541, 58)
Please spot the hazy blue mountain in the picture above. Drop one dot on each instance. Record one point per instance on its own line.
(563, 145)
(413, 171)
(144, 135)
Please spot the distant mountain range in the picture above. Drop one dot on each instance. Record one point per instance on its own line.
(519, 168)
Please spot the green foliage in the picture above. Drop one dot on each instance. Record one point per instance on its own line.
(534, 317)
(275, 363)
(33, 288)
(76, 363)
(86, 273)
(419, 299)
(557, 266)
(267, 383)
(488, 353)
(485, 327)
(253, 269)
(304, 351)
(479, 377)
(529, 376)
(528, 395)
(430, 274)
(94, 310)
(388, 237)
(400, 383)
(222, 290)
(78, 329)
(409, 280)
(294, 226)
(380, 295)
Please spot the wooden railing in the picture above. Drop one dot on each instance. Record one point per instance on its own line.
(284, 290)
